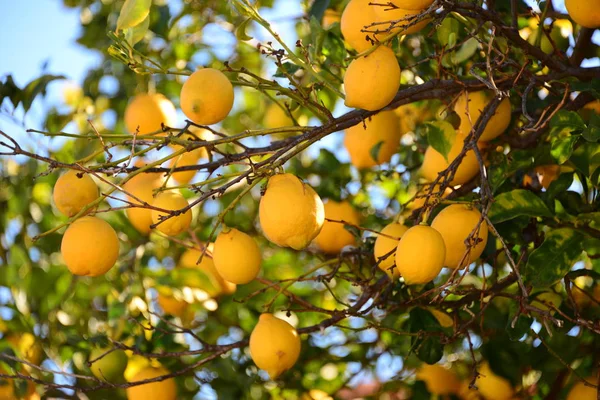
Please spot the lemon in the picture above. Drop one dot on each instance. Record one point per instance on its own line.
(439, 380)
(547, 174)
(492, 386)
(171, 305)
(141, 186)
(110, 367)
(372, 81)
(434, 163)
(90, 246)
(163, 390)
(385, 244)
(380, 130)
(477, 101)
(291, 214)
(189, 158)
(547, 301)
(236, 256)
(357, 15)
(147, 112)
(207, 96)
(207, 266)
(276, 117)
(593, 106)
(274, 345)
(584, 12)
(28, 347)
(171, 201)
(330, 17)
(403, 15)
(419, 198)
(7, 391)
(455, 223)
(412, 4)
(580, 391)
(420, 254)
(466, 393)
(333, 236)
(73, 191)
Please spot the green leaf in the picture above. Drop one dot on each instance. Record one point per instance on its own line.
(428, 348)
(560, 185)
(36, 87)
(286, 68)
(569, 120)
(592, 132)
(134, 34)
(318, 9)
(133, 13)
(447, 31)
(10, 90)
(375, 150)
(440, 136)
(554, 258)
(240, 31)
(466, 51)
(517, 203)
(592, 218)
(586, 157)
(562, 148)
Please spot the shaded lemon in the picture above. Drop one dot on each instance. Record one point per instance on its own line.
(274, 345)
(163, 390)
(469, 107)
(434, 163)
(438, 379)
(402, 17)
(90, 247)
(141, 186)
(207, 96)
(420, 254)
(147, 112)
(330, 17)
(73, 191)
(110, 367)
(357, 16)
(291, 214)
(188, 260)
(236, 256)
(580, 391)
(171, 201)
(492, 386)
(584, 12)
(333, 236)
(171, 305)
(385, 244)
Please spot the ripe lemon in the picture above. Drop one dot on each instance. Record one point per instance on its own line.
(434, 163)
(411, 4)
(27, 347)
(274, 345)
(330, 17)
(207, 96)
(381, 130)
(7, 391)
(90, 246)
(188, 260)
(187, 159)
(439, 380)
(171, 201)
(110, 367)
(171, 305)
(291, 214)
(492, 386)
(163, 390)
(72, 193)
(420, 254)
(276, 117)
(476, 103)
(357, 15)
(384, 244)
(593, 105)
(584, 12)
(466, 393)
(419, 198)
(142, 187)
(147, 112)
(547, 174)
(236, 256)
(455, 223)
(372, 81)
(403, 15)
(580, 391)
(333, 236)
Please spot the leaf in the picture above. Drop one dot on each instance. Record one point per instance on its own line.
(440, 136)
(447, 31)
(240, 31)
(137, 33)
(519, 202)
(318, 9)
(374, 152)
(560, 185)
(35, 88)
(592, 132)
(466, 51)
(133, 13)
(554, 258)
(428, 348)
(562, 148)
(317, 37)
(10, 90)
(286, 68)
(569, 120)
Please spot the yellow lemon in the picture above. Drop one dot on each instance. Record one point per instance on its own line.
(593, 105)
(333, 236)
(584, 12)
(455, 223)
(439, 380)
(466, 393)
(580, 391)
(357, 15)
(419, 198)
(404, 17)
(420, 254)
(207, 96)
(492, 386)
(207, 266)
(28, 347)
(434, 163)
(236, 256)
(73, 191)
(110, 367)
(90, 246)
(171, 201)
(7, 391)
(380, 130)
(412, 4)
(274, 345)
(171, 305)
(372, 81)
(385, 244)
(547, 174)
(469, 107)
(276, 117)
(547, 301)
(187, 159)
(163, 390)
(141, 186)
(291, 214)
(330, 17)
(147, 112)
